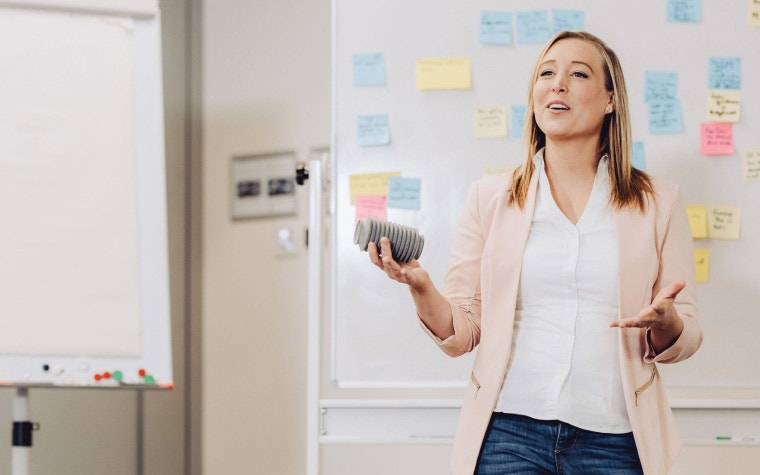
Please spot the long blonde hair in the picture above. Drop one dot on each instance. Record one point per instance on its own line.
(630, 186)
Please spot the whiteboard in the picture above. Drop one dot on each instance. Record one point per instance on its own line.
(376, 340)
(84, 295)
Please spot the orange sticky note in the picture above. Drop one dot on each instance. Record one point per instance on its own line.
(717, 138)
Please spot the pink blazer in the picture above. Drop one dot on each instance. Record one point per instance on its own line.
(654, 249)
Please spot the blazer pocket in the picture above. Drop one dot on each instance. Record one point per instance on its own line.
(475, 383)
(645, 386)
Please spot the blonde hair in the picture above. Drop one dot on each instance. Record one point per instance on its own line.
(630, 186)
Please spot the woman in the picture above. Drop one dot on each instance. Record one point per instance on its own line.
(574, 276)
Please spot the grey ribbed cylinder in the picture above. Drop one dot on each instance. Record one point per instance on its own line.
(406, 242)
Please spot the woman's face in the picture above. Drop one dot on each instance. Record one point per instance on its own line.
(569, 95)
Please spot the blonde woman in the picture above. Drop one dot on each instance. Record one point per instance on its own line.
(574, 277)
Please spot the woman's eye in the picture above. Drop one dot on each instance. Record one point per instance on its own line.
(580, 74)
(546, 73)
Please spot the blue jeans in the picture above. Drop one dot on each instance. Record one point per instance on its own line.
(516, 444)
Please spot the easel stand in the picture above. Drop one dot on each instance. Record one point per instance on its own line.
(22, 432)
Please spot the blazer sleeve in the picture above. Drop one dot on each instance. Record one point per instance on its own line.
(677, 263)
(462, 283)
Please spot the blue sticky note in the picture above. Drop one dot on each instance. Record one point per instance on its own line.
(567, 20)
(638, 159)
(518, 121)
(369, 70)
(725, 73)
(659, 86)
(495, 28)
(404, 192)
(374, 130)
(665, 116)
(684, 11)
(533, 27)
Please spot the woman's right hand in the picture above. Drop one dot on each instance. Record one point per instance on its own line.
(410, 273)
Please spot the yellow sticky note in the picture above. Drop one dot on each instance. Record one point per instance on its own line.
(751, 163)
(370, 184)
(697, 220)
(754, 13)
(490, 122)
(443, 73)
(723, 105)
(723, 222)
(702, 264)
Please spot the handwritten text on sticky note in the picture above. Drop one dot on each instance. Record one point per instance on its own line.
(723, 222)
(725, 73)
(697, 221)
(723, 105)
(754, 13)
(495, 28)
(751, 163)
(404, 192)
(533, 27)
(369, 69)
(665, 116)
(684, 11)
(659, 86)
(490, 121)
(443, 73)
(371, 206)
(373, 130)
(370, 184)
(717, 138)
(702, 264)
(567, 20)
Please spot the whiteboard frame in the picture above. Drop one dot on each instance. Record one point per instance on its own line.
(155, 360)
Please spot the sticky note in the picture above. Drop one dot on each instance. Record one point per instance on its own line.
(369, 69)
(684, 11)
(443, 73)
(567, 20)
(490, 121)
(659, 86)
(495, 28)
(518, 121)
(702, 264)
(725, 73)
(717, 138)
(665, 116)
(697, 221)
(369, 184)
(404, 192)
(751, 164)
(373, 130)
(723, 222)
(723, 105)
(533, 27)
(638, 159)
(374, 206)
(754, 13)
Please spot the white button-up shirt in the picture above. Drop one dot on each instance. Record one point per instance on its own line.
(564, 363)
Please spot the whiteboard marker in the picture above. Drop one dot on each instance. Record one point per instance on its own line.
(738, 439)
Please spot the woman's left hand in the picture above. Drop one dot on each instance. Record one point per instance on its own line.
(660, 317)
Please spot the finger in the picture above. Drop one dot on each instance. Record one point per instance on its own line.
(674, 289)
(374, 255)
(385, 250)
(664, 299)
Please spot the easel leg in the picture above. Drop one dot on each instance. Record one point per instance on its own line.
(22, 433)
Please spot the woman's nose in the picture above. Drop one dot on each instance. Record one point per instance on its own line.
(559, 84)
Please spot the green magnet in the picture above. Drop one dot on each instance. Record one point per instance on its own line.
(117, 375)
(149, 379)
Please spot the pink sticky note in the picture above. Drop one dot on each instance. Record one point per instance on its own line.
(375, 206)
(717, 138)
